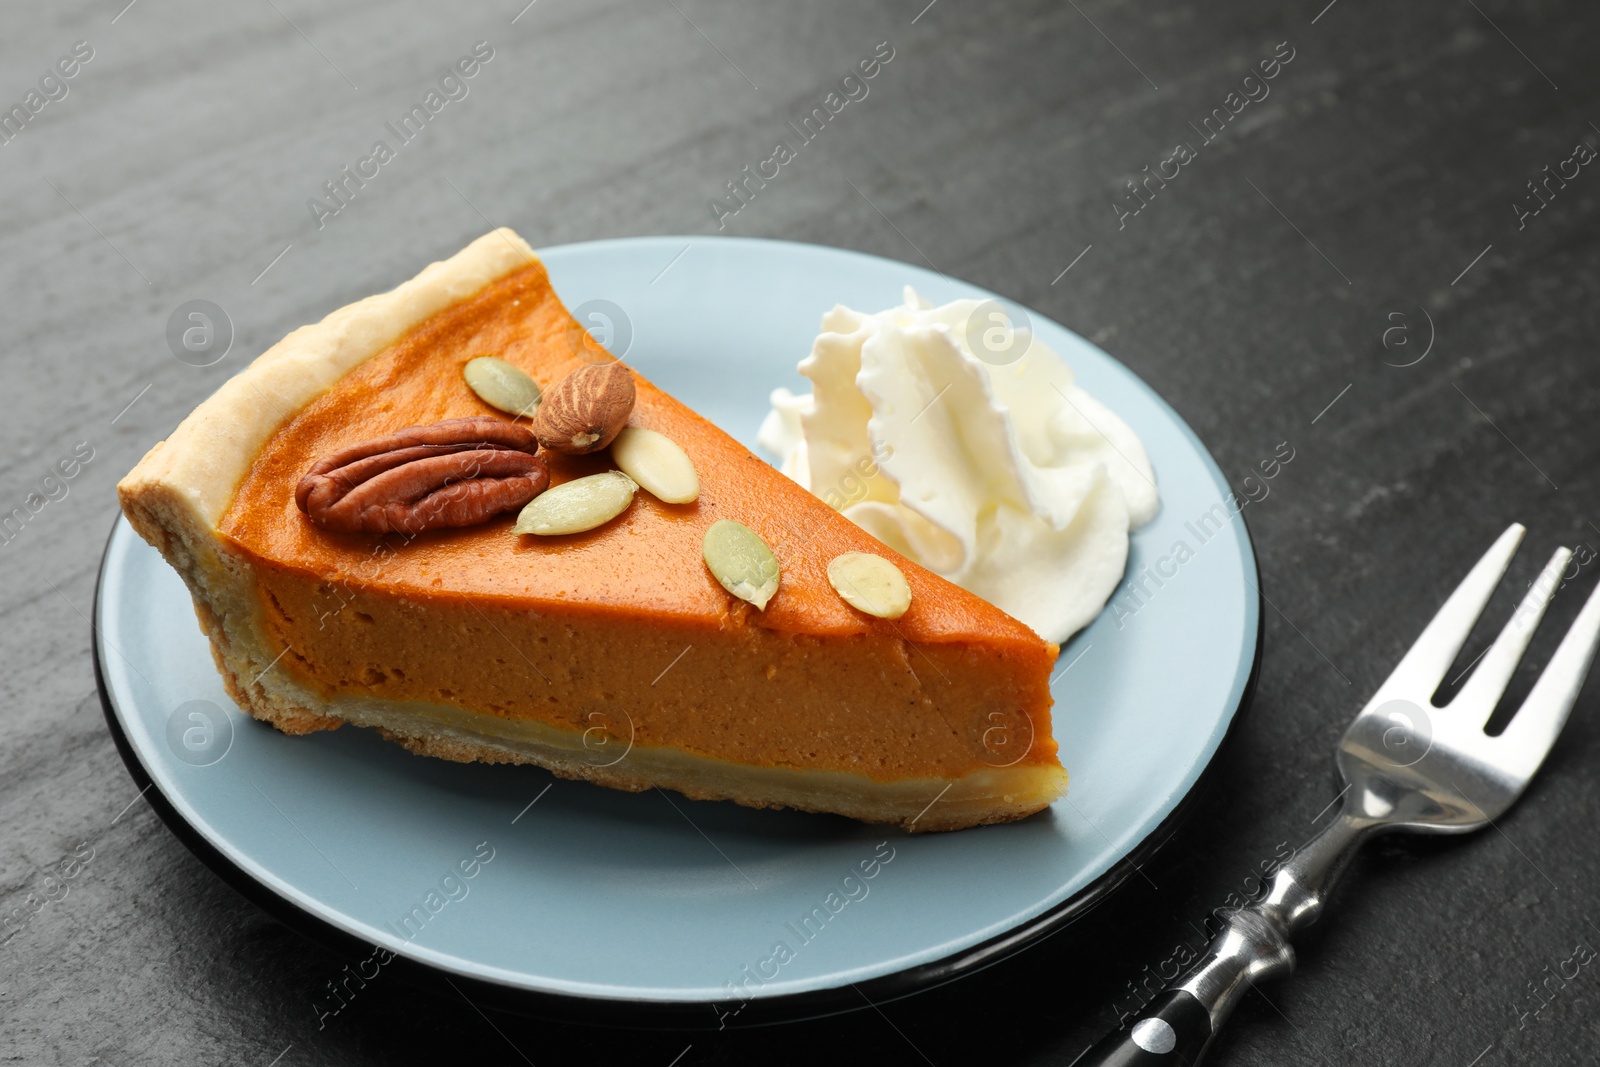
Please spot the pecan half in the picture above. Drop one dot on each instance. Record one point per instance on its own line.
(459, 472)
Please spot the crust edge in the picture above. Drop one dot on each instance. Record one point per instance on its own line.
(207, 456)
(177, 494)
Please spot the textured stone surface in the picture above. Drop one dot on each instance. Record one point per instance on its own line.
(1253, 291)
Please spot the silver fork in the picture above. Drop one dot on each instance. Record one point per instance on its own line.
(1407, 766)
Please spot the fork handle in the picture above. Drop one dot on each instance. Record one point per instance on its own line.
(1173, 1029)
(1176, 1027)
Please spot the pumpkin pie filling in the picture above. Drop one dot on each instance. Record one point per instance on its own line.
(618, 641)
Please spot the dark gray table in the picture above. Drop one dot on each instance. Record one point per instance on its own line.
(1353, 264)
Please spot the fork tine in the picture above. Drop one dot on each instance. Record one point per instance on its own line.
(1534, 728)
(1483, 689)
(1431, 656)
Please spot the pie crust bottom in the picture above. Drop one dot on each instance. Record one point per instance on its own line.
(988, 795)
(984, 796)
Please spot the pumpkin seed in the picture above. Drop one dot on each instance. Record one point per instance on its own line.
(741, 561)
(575, 506)
(502, 386)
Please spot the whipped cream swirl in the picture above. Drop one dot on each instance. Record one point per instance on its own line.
(1007, 479)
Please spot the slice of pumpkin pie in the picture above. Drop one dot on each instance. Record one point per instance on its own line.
(344, 512)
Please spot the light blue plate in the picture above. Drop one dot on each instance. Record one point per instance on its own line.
(650, 897)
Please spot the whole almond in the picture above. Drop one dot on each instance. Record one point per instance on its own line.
(586, 409)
